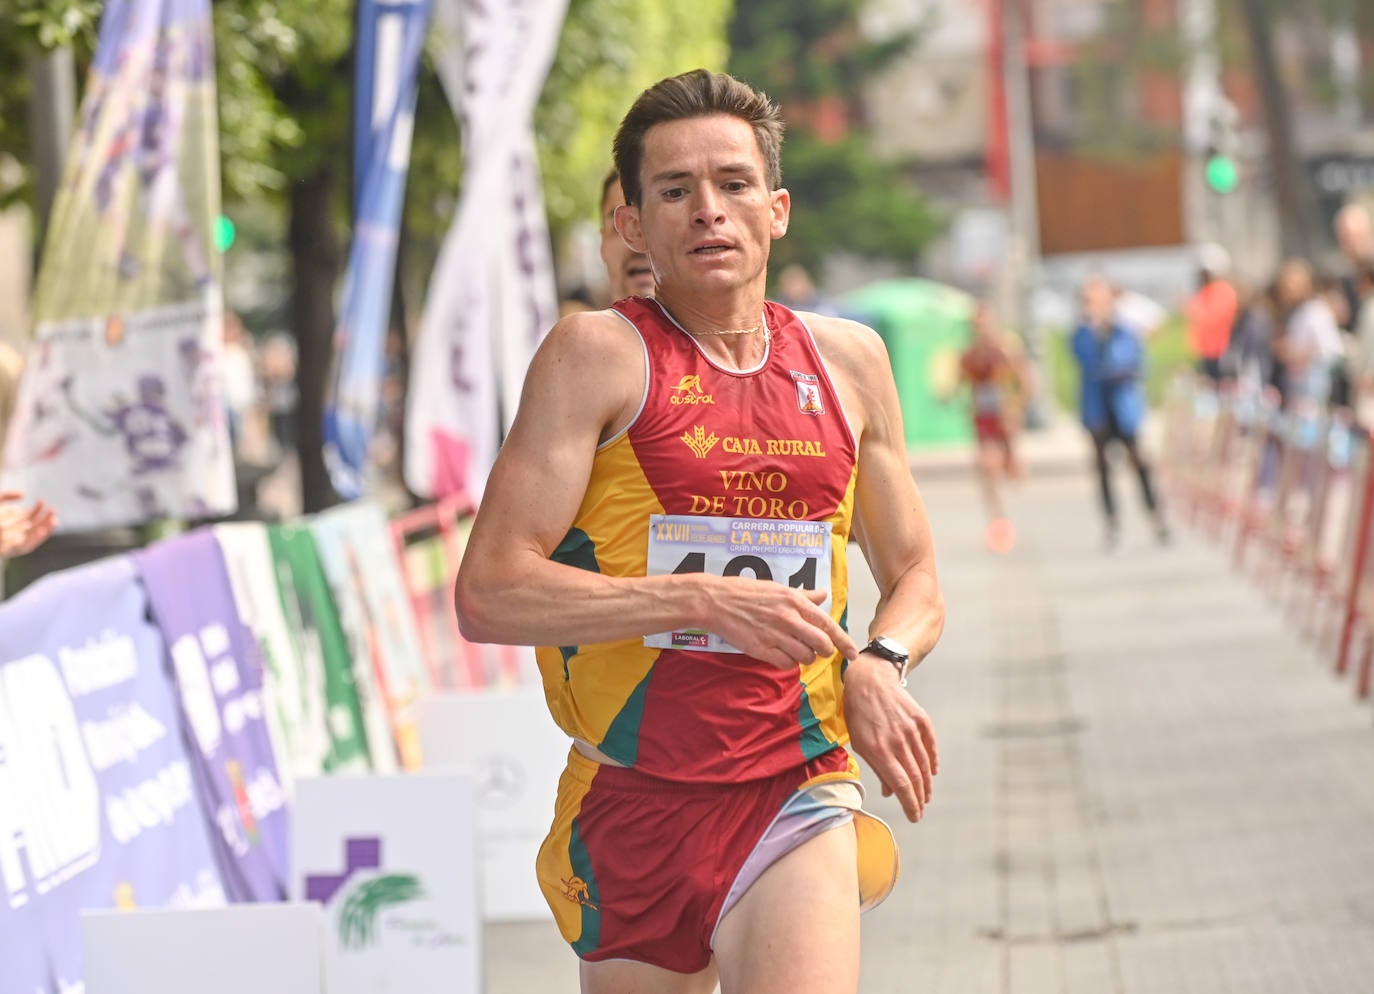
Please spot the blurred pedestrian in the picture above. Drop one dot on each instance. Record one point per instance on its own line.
(629, 271)
(1111, 364)
(1355, 238)
(1250, 356)
(994, 378)
(240, 382)
(280, 393)
(1362, 366)
(1211, 312)
(797, 290)
(1310, 344)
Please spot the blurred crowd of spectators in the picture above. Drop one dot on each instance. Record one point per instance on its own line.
(1305, 339)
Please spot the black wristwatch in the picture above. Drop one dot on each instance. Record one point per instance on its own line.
(893, 651)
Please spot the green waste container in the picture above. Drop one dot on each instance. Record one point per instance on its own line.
(925, 326)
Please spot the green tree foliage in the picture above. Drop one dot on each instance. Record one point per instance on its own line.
(812, 58)
(843, 198)
(609, 51)
(29, 27)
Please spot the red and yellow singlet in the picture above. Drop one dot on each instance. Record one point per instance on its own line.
(737, 472)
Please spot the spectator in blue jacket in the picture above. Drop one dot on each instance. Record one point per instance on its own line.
(1111, 364)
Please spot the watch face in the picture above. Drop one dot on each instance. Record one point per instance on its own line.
(891, 648)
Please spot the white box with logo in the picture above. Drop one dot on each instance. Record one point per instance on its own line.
(393, 861)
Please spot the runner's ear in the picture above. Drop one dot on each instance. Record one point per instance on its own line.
(782, 211)
(627, 223)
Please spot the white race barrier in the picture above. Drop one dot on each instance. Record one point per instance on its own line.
(263, 948)
(510, 746)
(393, 859)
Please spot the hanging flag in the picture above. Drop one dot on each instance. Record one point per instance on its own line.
(491, 296)
(120, 414)
(391, 37)
(528, 290)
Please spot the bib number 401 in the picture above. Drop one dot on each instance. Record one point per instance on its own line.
(795, 553)
(803, 579)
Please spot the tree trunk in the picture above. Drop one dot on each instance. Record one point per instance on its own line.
(1291, 188)
(316, 260)
(52, 111)
(400, 333)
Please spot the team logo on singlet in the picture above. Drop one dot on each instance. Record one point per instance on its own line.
(688, 391)
(808, 393)
(575, 889)
(699, 442)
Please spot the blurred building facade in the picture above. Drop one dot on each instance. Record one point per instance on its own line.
(1128, 100)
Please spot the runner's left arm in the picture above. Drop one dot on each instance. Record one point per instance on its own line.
(888, 728)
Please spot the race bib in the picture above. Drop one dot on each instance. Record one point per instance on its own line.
(796, 553)
(987, 398)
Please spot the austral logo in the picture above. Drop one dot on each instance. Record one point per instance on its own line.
(688, 391)
(699, 442)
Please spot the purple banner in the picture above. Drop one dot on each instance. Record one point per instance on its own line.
(97, 797)
(218, 673)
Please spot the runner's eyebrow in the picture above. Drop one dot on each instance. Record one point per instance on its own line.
(673, 175)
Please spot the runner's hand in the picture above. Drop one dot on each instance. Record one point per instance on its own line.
(891, 733)
(780, 625)
(23, 529)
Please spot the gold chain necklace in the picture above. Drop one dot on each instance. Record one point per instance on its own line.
(729, 331)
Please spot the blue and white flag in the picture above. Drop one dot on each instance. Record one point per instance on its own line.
(390, 41)
(491, 296)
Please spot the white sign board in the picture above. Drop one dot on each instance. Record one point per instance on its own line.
(393, 859)
(262, 948)
(514, 752)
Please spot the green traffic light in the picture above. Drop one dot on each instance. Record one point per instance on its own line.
(224, 233)
(1222, 175)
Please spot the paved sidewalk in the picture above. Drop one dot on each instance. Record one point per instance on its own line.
(1150, 784)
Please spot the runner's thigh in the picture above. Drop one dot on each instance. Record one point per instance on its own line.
(622, 976)
(796, 930)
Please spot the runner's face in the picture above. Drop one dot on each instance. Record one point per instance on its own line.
(627, 269)
(707, 218)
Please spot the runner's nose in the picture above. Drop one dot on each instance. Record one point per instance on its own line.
(707, 208)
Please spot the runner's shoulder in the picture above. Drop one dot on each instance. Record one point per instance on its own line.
(850, 346)
(596, 340)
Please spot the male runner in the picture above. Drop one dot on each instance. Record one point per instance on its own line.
(627, 269)
(668, 457)
(992, 376)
